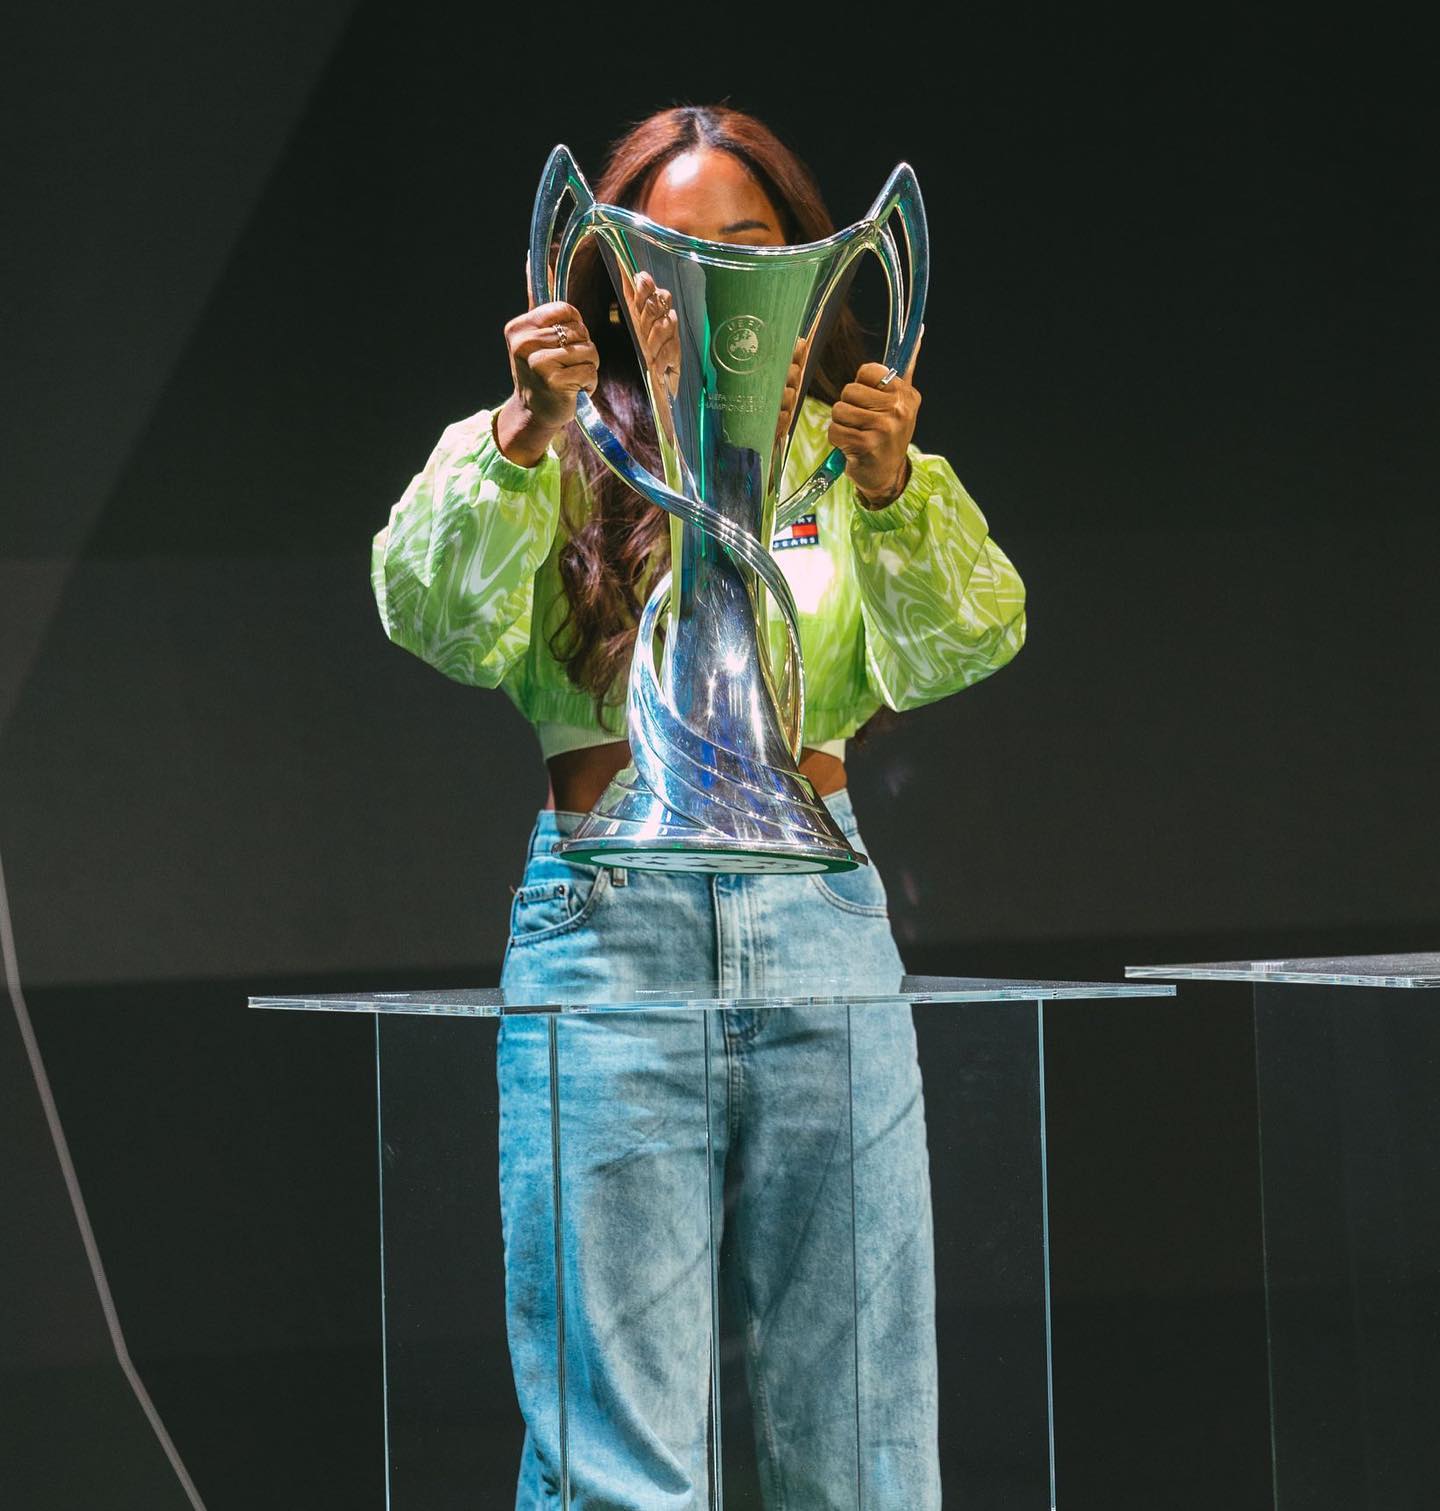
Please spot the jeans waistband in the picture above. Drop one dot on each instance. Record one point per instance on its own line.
(556, 823)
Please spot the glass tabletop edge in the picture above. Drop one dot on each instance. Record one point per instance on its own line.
(1258, 973)
(418, 1002)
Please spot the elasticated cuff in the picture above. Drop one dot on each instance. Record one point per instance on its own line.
(495, 467)
(900, 511)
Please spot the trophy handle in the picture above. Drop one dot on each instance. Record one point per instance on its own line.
(547, 282)
(563, 177)
(901, 193)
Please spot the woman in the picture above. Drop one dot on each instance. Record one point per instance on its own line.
(516, 560)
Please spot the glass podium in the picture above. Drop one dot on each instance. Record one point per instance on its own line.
(741, 1252)
(1347, 1055)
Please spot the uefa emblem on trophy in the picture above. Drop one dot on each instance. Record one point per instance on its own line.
(715, 727)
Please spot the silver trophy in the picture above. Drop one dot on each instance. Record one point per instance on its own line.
(715, 728)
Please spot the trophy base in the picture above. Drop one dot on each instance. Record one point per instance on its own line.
(631, 828)
(723, 862)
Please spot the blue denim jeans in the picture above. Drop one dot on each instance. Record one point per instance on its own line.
(816, 1126)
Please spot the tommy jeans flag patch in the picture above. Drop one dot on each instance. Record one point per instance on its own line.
(802, 532)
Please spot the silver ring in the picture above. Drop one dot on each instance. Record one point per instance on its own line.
(883, 381)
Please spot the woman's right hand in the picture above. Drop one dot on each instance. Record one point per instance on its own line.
(551, 360)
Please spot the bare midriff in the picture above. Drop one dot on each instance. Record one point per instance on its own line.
(578, 777)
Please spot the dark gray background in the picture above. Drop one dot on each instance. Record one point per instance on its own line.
(1180, 348)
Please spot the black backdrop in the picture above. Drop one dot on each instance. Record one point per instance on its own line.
(1181, 349)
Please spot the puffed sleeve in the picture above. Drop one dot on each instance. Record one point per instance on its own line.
(454, 568)
(942, 604)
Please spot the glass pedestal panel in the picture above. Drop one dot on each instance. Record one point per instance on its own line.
(741, 1255)
(1347, 1055)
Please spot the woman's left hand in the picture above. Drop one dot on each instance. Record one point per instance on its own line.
(873, 423)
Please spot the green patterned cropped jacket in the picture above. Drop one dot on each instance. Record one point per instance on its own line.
(898, 606)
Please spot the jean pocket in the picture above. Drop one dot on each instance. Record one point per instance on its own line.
(857, 891)
(561, 898)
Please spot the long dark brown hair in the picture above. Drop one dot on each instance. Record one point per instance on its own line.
(612, 557)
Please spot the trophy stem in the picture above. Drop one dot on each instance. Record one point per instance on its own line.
(714, 659)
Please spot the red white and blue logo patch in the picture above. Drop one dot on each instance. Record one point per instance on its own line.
(801, 532)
